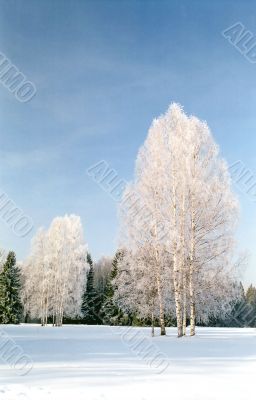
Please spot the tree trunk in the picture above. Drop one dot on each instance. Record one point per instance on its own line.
(152, 325)
(159, 283)
(176, 271)
(161, 311)
(177, 295)
(184, 327)
(184, 263)
(192, 302)
(192, 271)
(192, 319)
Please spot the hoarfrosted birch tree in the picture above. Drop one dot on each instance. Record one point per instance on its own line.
(182, 199)
(102, 270)
(212, 215)
(138, 290)
(2, 258)
(55, 272)
(204, 210)
(36, 279)
(141, 214)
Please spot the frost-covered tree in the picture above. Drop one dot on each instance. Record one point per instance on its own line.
(141, 215)
(54, 274)
(180, 205)
(251, 295)
(137, 292)
(37, 279)
(10, 287)
(102, 270)
(110, 312)
(2, 258)
(250, 313)
(211, 213)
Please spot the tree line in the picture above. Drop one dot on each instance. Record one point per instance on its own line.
(98, 306)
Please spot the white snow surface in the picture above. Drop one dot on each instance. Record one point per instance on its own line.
(103, 363)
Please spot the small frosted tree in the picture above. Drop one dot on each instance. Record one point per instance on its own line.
(137, 291)
(54, 275)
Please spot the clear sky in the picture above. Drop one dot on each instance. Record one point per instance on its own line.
(103, 70)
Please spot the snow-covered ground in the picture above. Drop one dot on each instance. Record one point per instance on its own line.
(103, 363)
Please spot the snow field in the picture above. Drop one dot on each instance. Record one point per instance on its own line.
(103, 363)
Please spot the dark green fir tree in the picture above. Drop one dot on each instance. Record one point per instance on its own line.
(89, 303)
(10, 286)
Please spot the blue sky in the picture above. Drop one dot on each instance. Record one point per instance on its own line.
(103, 70)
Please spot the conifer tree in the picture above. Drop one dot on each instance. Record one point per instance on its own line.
(251, 301)
(89, 304)
(110, 313)
(10, 286)
(251, 295)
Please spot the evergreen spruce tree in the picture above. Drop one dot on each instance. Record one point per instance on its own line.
(243, 313)
(89, 260)
(251, 295)
(251, 300)
(10, 285)
(110, 313)
(89, 303)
